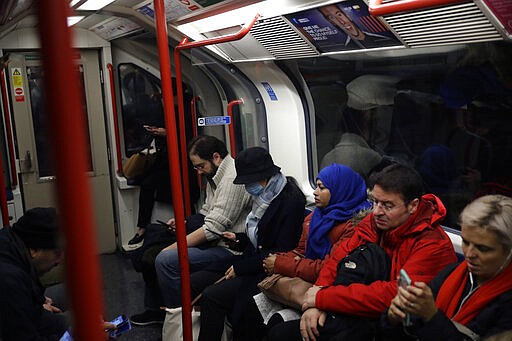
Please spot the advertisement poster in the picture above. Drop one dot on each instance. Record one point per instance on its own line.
(344, 26)
(502, 9)
(176, 8)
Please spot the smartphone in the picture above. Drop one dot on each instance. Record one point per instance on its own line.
(123, 325)
(163, 223)
(222, 236)
(66, 336)
(404, 280)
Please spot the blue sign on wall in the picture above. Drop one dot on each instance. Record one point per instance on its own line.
(270, 91)
(213, 121)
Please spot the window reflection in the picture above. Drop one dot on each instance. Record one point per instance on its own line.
(141, 101)
(445, 113)
(39, 120)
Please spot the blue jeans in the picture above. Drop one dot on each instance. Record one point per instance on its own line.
(168, 269)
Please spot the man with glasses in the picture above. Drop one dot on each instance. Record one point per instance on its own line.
(225, 209)
(406, 225)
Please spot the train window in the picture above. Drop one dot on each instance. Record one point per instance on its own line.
(444, 111)
(35, 83)
(141, 100)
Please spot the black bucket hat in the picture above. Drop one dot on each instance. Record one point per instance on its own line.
(254, 164)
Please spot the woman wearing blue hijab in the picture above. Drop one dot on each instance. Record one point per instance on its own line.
(340, 196)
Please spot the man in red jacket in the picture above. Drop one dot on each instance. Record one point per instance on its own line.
(406, 224)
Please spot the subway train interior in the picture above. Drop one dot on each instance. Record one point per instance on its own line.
(360, 82)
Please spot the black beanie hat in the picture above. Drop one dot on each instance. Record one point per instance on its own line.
(37, 228)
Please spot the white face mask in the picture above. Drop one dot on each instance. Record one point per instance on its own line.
(254, 188)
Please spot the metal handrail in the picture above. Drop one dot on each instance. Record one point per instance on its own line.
(232, 143)
(193, 114)
(116, 120)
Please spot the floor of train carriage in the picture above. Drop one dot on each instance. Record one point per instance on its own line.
(123, 293)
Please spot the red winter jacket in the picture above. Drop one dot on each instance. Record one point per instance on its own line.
(420, 246)
(291, 265)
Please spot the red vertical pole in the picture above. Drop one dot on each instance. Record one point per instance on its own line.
(232, 143)
(193, 113)
(181, 111)
(116, 120)
(69, 143)
(173, 154)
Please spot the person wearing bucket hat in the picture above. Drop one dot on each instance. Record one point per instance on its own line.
(273, 225)
(28, 250)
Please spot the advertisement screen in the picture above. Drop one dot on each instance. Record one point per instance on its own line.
(344, 26)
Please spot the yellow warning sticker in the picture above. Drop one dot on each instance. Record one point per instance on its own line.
(17, 79)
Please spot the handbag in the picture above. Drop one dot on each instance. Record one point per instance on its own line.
(172, 329)
(286, 290)
(139, 164)
(173, 326)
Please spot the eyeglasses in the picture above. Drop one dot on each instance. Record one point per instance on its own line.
(199, 166)
(386, 206)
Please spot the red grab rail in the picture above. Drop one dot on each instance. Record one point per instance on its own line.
(184, 45)
(174, 167)
(193, 114)
(68, 141)
(116, 120)
(376, 7)
(232, 125)
(10, 140)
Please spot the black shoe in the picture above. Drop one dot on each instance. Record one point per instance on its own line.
(138, 238)
(148, 317)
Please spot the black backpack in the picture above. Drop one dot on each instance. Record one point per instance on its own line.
(365, 264)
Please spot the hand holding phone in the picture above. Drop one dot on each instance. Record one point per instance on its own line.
(222, 236)
(163, 223)
(403, 281)
(122, 324)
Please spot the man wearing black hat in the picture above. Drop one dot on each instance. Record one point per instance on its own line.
(273, 225)
(28, 250)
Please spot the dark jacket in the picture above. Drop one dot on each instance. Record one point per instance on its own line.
(21, 294)
(278, 230)
(495, 318)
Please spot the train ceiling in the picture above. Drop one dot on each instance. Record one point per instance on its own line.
(286, 28)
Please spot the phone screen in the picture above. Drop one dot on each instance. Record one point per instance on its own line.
(404, 280)
(66, 336)
(123, 325)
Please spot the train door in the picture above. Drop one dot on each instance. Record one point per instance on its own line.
(37, 176)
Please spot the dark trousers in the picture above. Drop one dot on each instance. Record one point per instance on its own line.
(157, 238)
(289, 331)
(157, 179)
(337, 327)
(218, 302)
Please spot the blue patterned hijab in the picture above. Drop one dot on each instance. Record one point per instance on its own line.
(348, 196)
